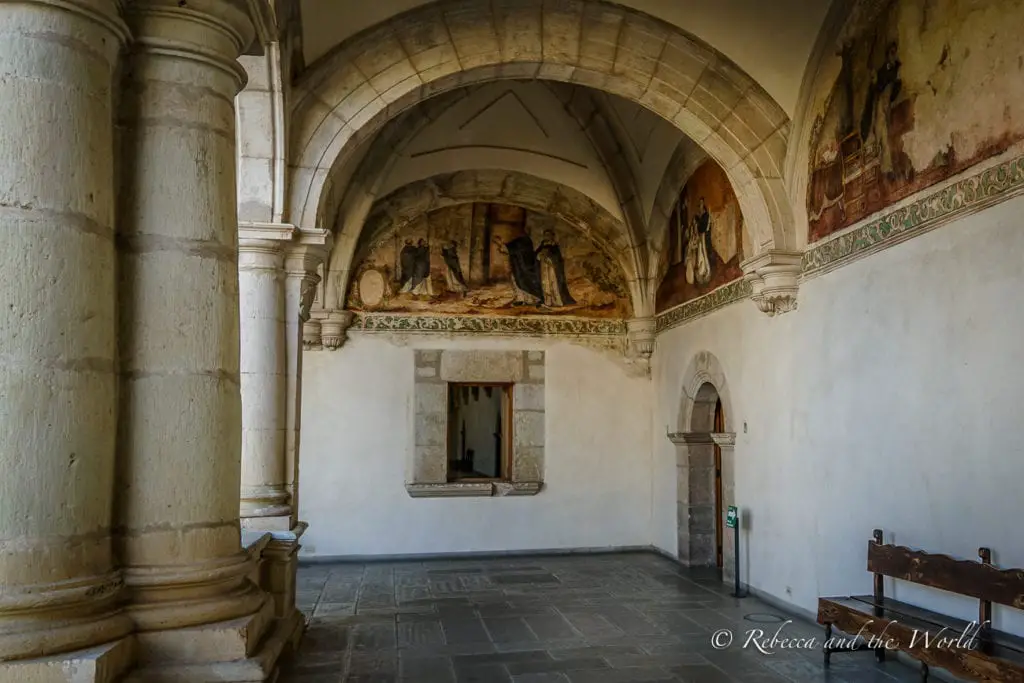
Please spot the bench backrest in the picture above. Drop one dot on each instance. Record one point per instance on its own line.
(979, 580)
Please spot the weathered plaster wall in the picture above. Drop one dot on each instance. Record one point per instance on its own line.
(357, 441)
(890, 399)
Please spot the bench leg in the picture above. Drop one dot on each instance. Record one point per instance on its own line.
(924, 672)
(880, 654)
(828, 645)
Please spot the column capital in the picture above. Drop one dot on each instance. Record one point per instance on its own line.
(214, 32)
(307, 252)
(106, 13)
(261, 246)
(250, 231)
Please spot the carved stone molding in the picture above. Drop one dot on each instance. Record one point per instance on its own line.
(723, 439)
(774, 278)
(311, 331)
(485, 489)
(333, 329)
(256, 231)
(306, 296)
(640, 333)
(302, 261)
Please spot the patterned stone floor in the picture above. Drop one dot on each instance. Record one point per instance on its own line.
(569, 619)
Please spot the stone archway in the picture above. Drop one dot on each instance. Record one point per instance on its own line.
(353, 91)
(705, 465)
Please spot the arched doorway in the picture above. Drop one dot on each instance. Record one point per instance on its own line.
(705, 473)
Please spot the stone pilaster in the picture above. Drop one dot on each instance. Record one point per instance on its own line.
(264, 497)
(301, 262)
(180, 420)
(59, 590)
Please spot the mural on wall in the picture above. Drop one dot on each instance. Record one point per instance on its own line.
(705, 240)
(493, 259)
(917, 91)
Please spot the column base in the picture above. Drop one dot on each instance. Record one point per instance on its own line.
(270, 524)
(219, 642)
(100, 664)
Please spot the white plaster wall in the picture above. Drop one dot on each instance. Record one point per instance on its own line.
(890, 399)
(357, 439)
(511, 126)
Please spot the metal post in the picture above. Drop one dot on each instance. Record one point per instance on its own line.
(736, 556)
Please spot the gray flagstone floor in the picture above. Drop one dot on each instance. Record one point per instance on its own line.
(566, 619)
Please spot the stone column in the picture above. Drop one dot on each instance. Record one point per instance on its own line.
(180, 421)
(264, 500)
(58, 411)
(301, 263)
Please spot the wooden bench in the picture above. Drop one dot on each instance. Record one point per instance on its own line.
(971, 650)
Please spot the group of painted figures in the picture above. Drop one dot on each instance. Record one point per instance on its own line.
(537, 275)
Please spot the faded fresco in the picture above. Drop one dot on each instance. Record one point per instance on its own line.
(917, 91)
(492, 259)
(705, 241)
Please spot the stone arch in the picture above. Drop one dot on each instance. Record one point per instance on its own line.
(530, 192)
(704, 370)
(705, 465)
(581, 106)
(353, 91)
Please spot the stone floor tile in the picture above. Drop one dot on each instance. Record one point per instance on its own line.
(572, 619)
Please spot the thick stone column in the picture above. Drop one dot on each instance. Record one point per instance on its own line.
(301, 263)
(264, 502)
(58, 387)
(180, 422)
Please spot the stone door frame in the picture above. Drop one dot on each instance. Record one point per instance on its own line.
(695, 442)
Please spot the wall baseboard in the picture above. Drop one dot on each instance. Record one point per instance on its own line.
(478, 555)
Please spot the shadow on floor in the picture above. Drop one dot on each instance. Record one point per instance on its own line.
(568, 619)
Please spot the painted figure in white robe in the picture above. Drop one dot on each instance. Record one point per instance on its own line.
(698, 247)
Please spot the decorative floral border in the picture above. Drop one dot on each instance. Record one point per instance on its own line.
(995, 183)
(723, 296)
(511, 325)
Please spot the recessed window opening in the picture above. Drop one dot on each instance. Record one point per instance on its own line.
(479, 433)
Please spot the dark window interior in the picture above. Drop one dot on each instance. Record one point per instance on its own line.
(478, 431)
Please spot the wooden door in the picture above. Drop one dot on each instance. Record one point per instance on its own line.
(719, 428)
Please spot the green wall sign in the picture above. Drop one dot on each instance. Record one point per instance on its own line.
(732, 517)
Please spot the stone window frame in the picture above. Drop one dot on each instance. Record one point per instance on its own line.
(434, 370)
